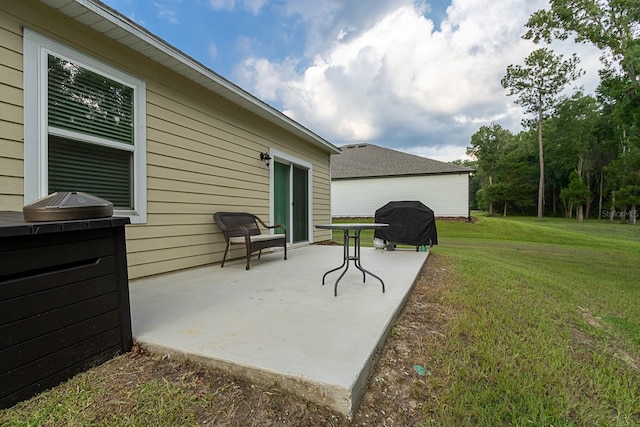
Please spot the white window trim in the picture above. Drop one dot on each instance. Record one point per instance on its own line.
(35, 50)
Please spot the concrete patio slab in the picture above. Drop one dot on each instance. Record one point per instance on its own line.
(276, 322)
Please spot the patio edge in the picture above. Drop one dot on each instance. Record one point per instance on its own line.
(334, 397)
(359, 387)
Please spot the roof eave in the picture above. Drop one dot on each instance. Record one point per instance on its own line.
(147, 44)
(404, 175)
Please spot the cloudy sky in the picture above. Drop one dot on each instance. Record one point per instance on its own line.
(417, 76)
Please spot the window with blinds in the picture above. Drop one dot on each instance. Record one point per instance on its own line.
(103, 171)
(84, 126)
(90, 133)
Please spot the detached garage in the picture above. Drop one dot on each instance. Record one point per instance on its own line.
(365, 177)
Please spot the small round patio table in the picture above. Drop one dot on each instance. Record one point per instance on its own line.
(347, 257)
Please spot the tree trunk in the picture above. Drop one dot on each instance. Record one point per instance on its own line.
(633, 215)
(490, 203)
(587, 212)
(613, 206)
(580, 165)
(504, 211)
(580, 208)
(541, 157)
(600, 191)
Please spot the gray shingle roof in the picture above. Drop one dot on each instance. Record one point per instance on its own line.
(369, 160)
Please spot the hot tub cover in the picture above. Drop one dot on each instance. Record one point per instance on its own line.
(410, 223)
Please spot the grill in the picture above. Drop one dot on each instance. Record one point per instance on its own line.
(410, 223)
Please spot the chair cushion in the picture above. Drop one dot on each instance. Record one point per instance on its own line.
(256, 238)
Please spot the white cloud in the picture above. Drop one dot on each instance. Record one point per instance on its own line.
(269, 80)
(212, 50)
(222, 4)
(444, 153)
(165, 13)
(395, 79)
(252, 6)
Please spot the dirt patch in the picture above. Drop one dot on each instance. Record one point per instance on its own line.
(400, 392)
(616, 349)
(588, 317)
(633, 362)
(471, 219)
(327, 243)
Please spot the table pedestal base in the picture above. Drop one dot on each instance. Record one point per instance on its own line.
(347, 258)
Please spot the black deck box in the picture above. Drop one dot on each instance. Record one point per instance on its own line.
(64, 300)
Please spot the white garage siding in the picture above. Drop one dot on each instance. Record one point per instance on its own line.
(446, 195)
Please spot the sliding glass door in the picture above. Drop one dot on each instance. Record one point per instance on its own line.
(291, 199)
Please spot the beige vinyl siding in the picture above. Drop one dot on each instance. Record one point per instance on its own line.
(202, 153)
(446, 195)
(202, 157)
(11, 115)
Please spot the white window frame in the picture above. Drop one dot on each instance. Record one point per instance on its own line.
(36, 49)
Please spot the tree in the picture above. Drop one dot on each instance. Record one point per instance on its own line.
(576, 194)
(613, 26)
(630, 195)
(572, 130)
(497, 193)
(507, 164)
(488, 144)
(623, 176)
(610, 25)
(537, 86)
(604, 152)
(517, 170)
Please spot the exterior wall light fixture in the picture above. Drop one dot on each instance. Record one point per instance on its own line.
(266, 158)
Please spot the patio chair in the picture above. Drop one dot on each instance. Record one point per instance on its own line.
(241, 228)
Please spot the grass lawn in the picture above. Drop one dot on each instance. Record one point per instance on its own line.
(548, 324)
(539, 325)
(547, 330)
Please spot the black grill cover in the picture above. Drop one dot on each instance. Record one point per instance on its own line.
(410, 223)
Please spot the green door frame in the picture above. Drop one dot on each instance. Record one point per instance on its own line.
(300, 204)
(281, 196)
